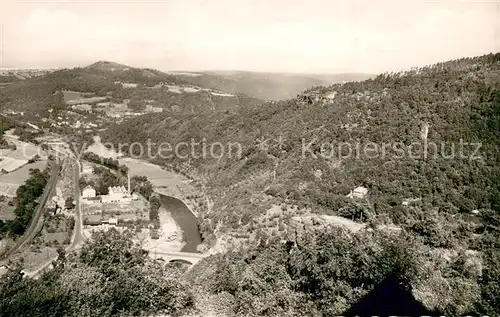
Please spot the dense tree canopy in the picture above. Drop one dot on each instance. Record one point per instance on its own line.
(444, 204)
(110, 277)
(447, 196)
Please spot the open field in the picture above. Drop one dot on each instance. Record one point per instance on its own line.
(129, 85)
(5, 152)
(85, 100)
(9, 164)
(23, 152)
(6, 211)
(98, 148)
(71, 95)
(82, 107)
(8, 189)
(221, 94)
(114, 109)
(174, 89)
(16, 164)
(5, 244)
(20, 175)
(190, 89)
(165, 182)
(11, 181)
(184, 74)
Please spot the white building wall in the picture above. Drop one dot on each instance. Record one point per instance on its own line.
(88, 193)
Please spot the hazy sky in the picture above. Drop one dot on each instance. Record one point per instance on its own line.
(265, 35)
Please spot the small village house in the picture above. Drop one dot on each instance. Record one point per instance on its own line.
(358, 193)
(88, 192)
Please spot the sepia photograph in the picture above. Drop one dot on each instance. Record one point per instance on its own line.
(246, 158)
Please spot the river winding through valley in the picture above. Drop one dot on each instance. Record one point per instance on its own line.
(168, 185)
(184, 219)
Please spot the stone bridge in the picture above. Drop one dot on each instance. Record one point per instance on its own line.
(191, 258)
(185, 257)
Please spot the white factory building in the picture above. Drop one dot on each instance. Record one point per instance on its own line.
(115, 194)
(88, 192)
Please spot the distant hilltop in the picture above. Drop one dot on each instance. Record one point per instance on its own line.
(107, 66)
(265, 85)
(260, 85)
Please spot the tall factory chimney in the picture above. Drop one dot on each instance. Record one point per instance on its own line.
(128, 175)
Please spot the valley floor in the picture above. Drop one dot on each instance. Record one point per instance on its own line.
(169, 236)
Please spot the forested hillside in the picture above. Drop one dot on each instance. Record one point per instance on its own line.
(449, 202)
(7, 79)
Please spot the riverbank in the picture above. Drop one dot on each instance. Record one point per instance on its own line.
(170, 235)
(185, 219)
(180, 199)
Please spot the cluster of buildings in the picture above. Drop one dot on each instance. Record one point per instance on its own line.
(116, 194)
(96, 215)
